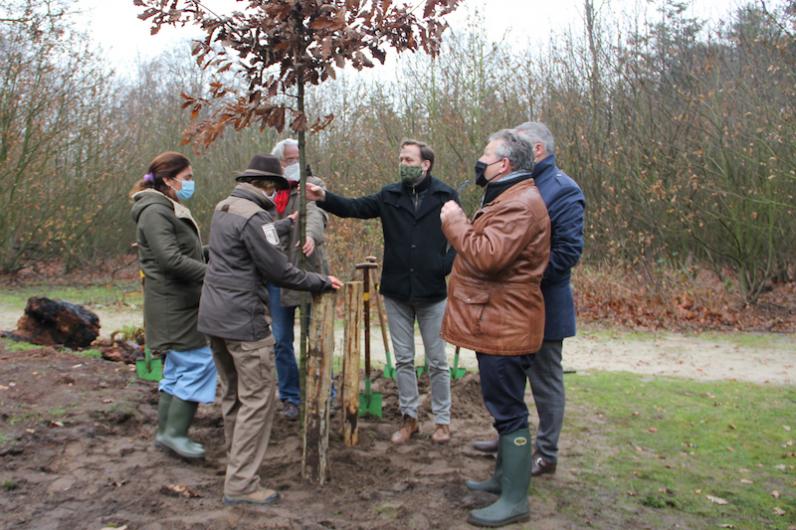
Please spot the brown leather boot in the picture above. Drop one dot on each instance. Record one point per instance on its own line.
(408, 428)
(442, 434)
(540, 466)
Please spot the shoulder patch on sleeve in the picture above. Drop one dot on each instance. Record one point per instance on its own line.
(270, 233)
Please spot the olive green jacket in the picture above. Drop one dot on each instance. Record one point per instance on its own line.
(171, 258)
(288, 243)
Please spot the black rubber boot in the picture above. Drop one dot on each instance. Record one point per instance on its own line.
(492, 484)
(512, 506)
(175, 433)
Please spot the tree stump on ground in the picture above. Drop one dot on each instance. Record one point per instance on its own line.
(50, 322)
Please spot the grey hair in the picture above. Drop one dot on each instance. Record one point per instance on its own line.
(537, 132)
(514, 147)
(279, 149)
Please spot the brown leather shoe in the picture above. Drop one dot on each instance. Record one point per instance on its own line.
(442, 434)
(408, 428)
(259, 497)
(540, 466)
(486, 446)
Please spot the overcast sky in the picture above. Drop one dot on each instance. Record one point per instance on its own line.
(121, 36)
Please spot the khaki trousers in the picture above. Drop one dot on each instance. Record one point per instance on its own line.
(248, 402)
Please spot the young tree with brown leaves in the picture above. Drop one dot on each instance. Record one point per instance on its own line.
(264, 56)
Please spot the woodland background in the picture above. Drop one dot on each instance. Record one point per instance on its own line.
(682, 134)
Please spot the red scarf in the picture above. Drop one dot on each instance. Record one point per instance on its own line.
(283, 197)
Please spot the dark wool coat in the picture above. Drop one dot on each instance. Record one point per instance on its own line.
(417, 256)
(172, 262)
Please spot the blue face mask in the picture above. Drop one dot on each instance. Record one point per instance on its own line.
(186, 192)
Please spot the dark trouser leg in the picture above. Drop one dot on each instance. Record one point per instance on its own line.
(282, 319)
(546, 376)
(503, 388)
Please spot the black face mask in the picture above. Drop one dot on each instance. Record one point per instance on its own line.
(480, 169)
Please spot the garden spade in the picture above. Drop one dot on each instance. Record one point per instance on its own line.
(149, 368)
(369, 401)
(389, 368)
(456, 372)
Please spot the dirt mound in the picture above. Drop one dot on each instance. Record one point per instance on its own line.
(76, 452)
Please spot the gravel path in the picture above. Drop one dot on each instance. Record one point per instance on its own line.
(752, 357)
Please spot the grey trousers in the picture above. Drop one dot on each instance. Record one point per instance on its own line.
(401, 320)
(546, 376)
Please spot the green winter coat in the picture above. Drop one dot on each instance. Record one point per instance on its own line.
(288, 243)
(172, 261)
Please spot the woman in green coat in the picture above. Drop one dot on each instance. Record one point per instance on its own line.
(173, 265)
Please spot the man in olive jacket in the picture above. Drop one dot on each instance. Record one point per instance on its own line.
(417, 258)
(244, 256)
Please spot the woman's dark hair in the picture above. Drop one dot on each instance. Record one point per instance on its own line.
(168, 164)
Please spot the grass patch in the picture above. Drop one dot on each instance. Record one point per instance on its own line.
(14, 346)
(597, 332)
(3, 439)
(98, 295)
(670, 445)
(24, 418)
(57, 412)
(10, 485)
(757, 341)
(90, 353)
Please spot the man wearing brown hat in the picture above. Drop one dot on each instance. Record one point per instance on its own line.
(244, 257)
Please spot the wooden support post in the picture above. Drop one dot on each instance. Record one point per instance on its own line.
(320, 352)
(351, 352)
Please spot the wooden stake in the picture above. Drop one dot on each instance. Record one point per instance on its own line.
(320, 352)
(350, 390)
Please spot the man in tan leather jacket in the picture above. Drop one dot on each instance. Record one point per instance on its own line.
(495, 307)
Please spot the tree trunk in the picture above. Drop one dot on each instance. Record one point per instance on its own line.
(304, 309)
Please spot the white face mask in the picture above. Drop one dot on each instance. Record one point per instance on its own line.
(269, 196)
(292, 173)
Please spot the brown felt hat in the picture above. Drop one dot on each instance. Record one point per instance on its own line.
(265, 167)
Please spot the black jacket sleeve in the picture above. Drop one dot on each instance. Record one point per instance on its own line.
(366, 207)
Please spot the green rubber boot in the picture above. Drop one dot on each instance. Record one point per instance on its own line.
(163, 414)
(492, 484)
(163, 417)
(175, 432)
(512, 506)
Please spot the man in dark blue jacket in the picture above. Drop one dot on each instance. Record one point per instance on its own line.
(565, 206)
(416, 260)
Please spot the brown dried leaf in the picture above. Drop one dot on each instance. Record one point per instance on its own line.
(179, 490)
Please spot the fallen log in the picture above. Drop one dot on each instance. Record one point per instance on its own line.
(54, 322)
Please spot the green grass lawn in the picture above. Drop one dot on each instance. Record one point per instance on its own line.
(98, 295)
(710, 455)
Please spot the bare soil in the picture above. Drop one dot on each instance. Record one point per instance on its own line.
(78, 453)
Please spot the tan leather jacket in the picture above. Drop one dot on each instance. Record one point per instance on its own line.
(495, 305)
